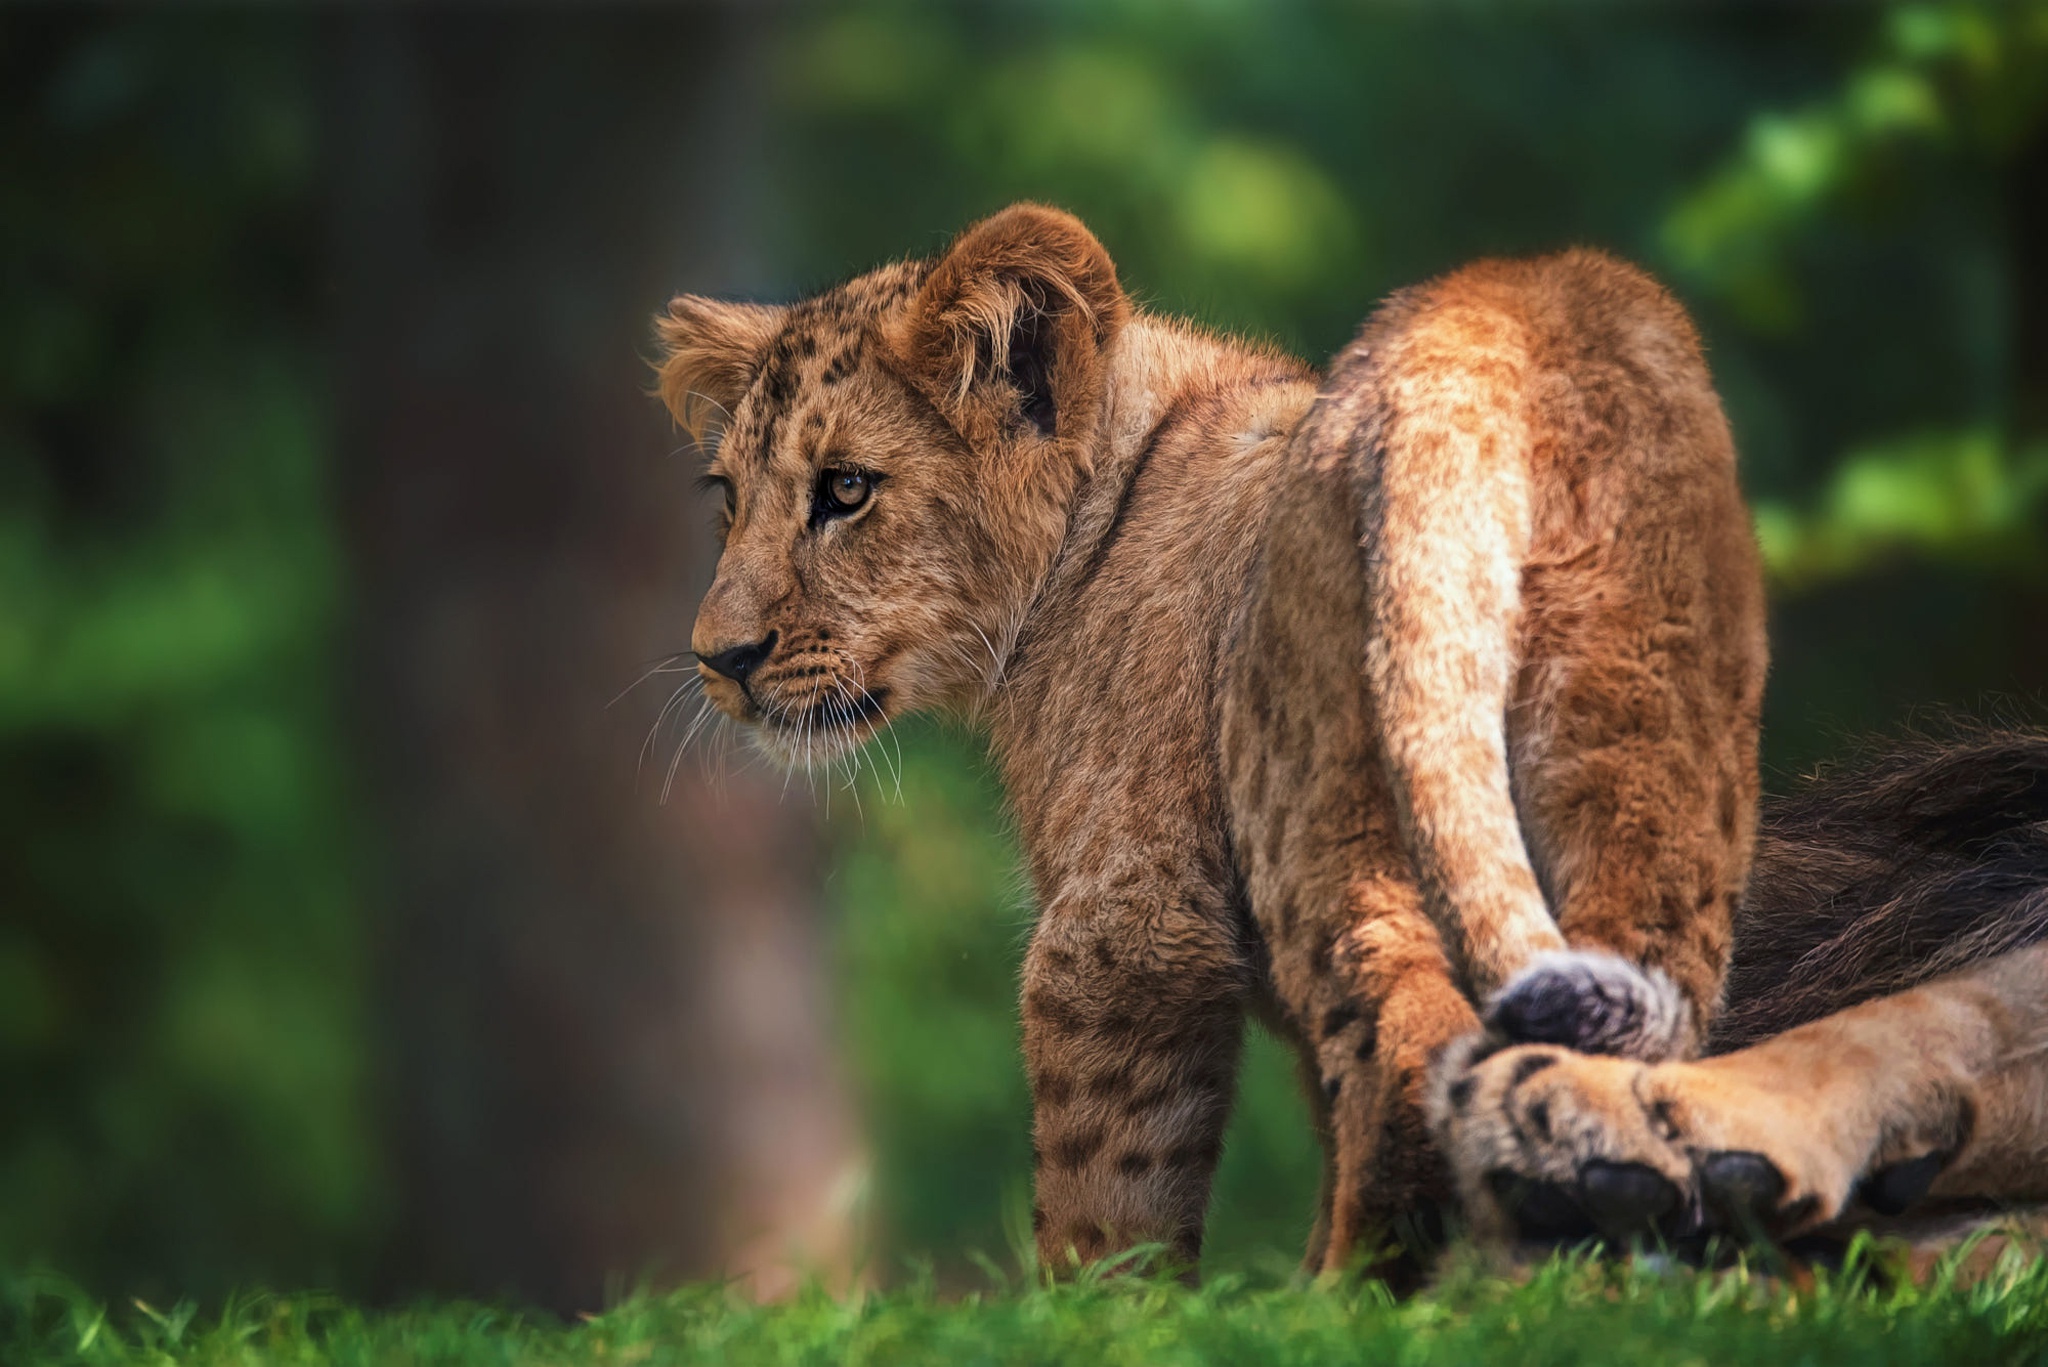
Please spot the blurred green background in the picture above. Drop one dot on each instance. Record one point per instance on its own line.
(342, 940)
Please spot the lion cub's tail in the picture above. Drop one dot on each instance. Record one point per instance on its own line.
(1923, 858)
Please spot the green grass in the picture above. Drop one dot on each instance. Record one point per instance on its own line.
(1569, 1312)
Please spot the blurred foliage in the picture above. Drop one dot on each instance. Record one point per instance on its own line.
(182, 1011)
(181, 1022)
(1965, 497)
(1950, 94)
(1959, 83)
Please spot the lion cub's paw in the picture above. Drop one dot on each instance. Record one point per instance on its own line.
(1594, 1003)
(1557, 1147)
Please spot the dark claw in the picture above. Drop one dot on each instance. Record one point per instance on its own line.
(1626, 1198)
(1889, 1191)
(1741, 1191)
(1543, 1210)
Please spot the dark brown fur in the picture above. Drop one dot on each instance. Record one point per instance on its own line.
(1921, 859)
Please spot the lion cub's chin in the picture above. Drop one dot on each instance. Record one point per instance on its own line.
(819, 734)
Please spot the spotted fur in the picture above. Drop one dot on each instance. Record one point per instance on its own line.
(1340, 699)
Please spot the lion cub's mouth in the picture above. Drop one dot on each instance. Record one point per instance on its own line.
(832, 713)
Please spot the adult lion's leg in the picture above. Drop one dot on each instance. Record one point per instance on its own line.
(1942, 1089)
(1133, 1019)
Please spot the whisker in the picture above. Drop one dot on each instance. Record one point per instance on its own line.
(664, 665)
(705, 710)
(700, 394)
(676, 701)
(668, 782)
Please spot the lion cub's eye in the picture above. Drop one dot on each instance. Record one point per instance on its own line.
(840, 492)
(849, 488)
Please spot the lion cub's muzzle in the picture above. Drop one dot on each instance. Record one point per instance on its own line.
(802, 695)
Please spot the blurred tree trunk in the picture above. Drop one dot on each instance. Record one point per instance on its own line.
(603, 1017)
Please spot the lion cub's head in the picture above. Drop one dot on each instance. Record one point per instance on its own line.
(898, 458)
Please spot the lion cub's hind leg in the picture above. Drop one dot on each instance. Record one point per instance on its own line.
(1942, 1089)
(1564, 639)
(1632, 728)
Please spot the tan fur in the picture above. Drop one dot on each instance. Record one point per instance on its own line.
(1342, 701)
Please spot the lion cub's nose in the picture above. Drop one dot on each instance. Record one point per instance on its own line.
(736, 662)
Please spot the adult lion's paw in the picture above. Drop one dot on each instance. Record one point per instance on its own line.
(1595, 1003)
(1553, 1146)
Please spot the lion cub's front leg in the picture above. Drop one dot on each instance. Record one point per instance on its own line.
(1132, 1023)
(1939, 1088)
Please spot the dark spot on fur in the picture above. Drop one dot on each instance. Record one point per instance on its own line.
(1195, 1153)
(1104, 956)
(781, 387)
(1332, 1085)
(1134, 1164)
(1074, 1150)
(1664, 1119)
(1057, 1014)
(1368, 1039)
(1529, 1067)
(1319, 957)
(1215, 1076)
(1460, 1092)
(1115, 1082)
(1053, 1089)
(1148, 1098)
(1037, 1219)
(1337, 1017)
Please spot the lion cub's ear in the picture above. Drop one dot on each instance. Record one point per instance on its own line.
(1009, 332)
(710, 352)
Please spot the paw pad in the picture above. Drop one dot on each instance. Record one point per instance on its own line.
(1626, 1198)
(1541, 1210)
(1741, 1192)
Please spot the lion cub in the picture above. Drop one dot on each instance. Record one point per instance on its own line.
(1384, 704)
